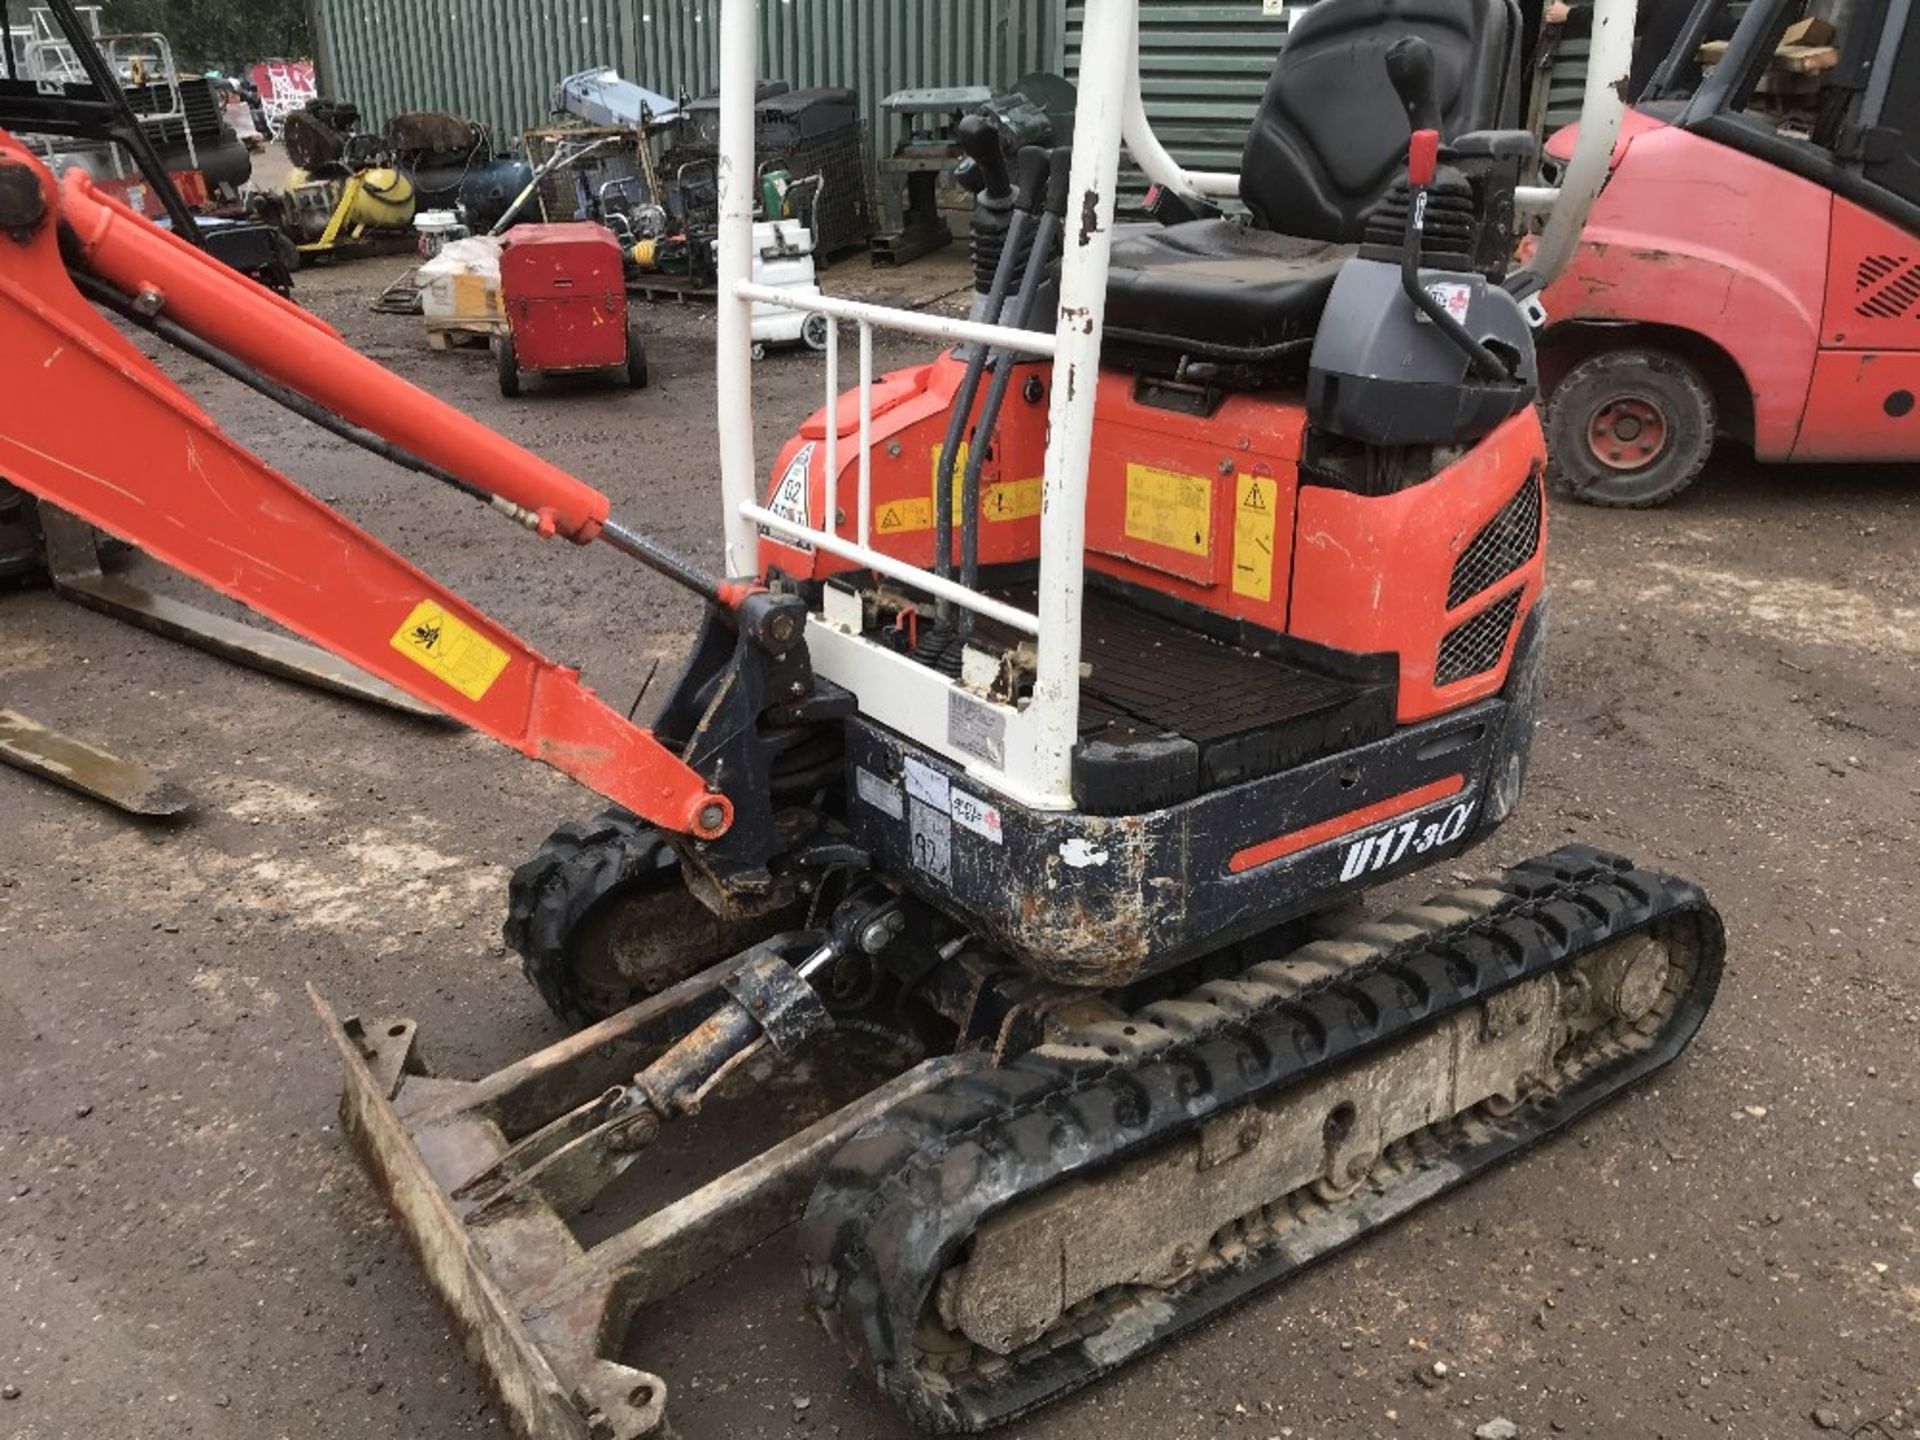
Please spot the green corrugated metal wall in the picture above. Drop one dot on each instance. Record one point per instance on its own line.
(498, 60)
(1203, 67)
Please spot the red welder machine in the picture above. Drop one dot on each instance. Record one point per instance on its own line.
(566, 300)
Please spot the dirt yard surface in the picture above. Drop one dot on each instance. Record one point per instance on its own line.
(188, 1249)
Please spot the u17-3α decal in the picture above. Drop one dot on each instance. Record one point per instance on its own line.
(1415, 835)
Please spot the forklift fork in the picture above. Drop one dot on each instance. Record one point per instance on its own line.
(27, 745)
(73, 562)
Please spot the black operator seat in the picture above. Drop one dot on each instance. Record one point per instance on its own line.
(1329, 140)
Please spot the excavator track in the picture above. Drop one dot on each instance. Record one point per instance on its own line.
(601, 918)
(996, 1243)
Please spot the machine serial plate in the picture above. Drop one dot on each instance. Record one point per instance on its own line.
(976, 728)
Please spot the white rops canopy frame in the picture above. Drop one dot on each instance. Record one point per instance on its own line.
(1027, 751)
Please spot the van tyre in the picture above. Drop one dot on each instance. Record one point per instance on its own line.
(1630, 429)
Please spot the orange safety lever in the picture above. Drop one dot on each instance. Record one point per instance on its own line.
(92, 425)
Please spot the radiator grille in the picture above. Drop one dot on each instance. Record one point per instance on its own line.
(1475, 646)
(1886, 287)
(1508, 541)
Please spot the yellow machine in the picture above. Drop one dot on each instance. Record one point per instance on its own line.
(333, 211)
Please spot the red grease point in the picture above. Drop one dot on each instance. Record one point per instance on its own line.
(1423, 157)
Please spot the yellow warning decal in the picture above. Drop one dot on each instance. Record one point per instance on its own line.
(1170, 509)
(1254, 502)
(959, 477)
(898, 517)
(450, 649)
(1012, 499)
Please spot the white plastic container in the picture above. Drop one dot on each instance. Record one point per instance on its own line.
(783, 260)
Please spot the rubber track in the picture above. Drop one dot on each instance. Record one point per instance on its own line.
(901, 1199)
(573, 870)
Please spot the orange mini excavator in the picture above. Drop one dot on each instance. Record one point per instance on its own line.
(1065, 692)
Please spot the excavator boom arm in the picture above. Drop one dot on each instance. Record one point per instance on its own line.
(95, 427)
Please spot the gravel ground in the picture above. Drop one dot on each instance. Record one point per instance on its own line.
(187, 1248)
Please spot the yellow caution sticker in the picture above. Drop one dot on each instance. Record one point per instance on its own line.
(959, 476)
(450, 649)
(900, 517)
(1255, 500)
(1012, 499)
(1170, 509)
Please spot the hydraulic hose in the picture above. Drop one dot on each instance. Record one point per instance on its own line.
(122, 304)
(1036, 165)
(297, 350)
(982, 143)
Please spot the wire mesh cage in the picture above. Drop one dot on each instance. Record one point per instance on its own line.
(587, 171)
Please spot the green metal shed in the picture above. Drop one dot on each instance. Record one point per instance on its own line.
(1203, 67)
(499, 60)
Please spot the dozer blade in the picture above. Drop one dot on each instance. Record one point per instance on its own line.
(28, 745)
(543, 1314)
(73, 560)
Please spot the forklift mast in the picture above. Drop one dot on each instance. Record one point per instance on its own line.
(28, 106)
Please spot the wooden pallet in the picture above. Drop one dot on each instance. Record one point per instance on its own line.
(1788, 59)
(449, 334)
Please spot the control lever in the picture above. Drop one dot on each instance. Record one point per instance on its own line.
(1409, 62)
(1059, 177)
(979, 141)
(1031, 191)
(973, 133)
(1044, 177)
(1410, 72)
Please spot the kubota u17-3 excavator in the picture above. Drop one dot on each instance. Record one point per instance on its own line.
(1063, 692)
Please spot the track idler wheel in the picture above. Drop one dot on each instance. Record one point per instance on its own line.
(601, 918)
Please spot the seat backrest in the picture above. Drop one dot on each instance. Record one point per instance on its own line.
(1331, 136)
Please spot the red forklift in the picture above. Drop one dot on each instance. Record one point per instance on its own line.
(1752, 269)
